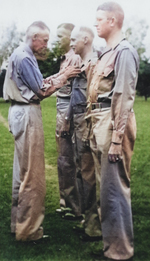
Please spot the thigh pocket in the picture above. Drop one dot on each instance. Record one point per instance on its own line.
(17, 121)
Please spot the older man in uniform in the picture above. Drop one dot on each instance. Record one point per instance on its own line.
(111, 95)
(81, 42)
(25, 87)
(69, 197)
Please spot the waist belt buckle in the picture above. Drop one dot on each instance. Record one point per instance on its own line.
(97, 106)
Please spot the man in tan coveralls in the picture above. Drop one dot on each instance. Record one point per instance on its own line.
(25, 87)
(111, 95)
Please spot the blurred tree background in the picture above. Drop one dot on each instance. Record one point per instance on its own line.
(136, 31)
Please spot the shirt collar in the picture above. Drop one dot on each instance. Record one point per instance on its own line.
(108, 49)
(28, 50)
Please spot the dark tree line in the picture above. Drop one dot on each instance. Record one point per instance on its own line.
(50, 64)
(143, 85)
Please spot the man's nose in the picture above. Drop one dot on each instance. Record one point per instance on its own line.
(95, 24)
(71, 43)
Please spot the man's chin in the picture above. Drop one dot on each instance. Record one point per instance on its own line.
(41, 54)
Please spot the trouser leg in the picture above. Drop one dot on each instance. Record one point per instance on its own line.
(61, 111)
(85, 165)
(93, 213)
(117, 228)
(67, 176)
(26, 126)
(15, 191)
(69, 196)
(116, 215)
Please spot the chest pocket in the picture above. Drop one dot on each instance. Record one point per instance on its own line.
(104, 72)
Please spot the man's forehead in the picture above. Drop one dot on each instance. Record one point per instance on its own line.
(75, 33)
(62, 31)
(102, 14)
(44, 33)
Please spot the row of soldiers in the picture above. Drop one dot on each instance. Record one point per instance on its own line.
(95, 131)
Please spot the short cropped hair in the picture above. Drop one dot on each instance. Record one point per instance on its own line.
(114, 8)
(67, 26)
(34, 28)
(87, 30)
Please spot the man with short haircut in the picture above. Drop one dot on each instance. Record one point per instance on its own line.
(69, 197)
(25, 88)
(81, 42)
(111, 95)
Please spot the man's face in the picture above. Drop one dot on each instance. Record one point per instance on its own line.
(40, 41)
(103, 24)
(63, 38)
(77, 42)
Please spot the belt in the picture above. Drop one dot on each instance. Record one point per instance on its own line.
(79, 109)
(13, 102)
(100, 105)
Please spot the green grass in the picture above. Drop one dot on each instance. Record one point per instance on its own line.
(64, 244)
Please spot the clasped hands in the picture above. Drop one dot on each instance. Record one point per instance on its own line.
(115, 152)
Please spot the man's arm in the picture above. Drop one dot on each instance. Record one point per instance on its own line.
(32, 78)
(123, 99)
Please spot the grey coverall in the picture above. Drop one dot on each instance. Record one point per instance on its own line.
(85, 171)
(69, 196)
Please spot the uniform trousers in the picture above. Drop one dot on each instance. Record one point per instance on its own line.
(69, 195)
(29, 187)
(115, 198)
(90, 202)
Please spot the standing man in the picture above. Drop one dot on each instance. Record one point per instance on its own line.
(111, 95)
(66, 169)
(25, 87)
(81, 42)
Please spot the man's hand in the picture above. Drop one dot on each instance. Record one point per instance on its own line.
(115, 152)
(65, 129)
(71, 71)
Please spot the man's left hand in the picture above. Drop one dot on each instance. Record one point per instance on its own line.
(115, 153)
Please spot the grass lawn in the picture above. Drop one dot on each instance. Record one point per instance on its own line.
(64, 244)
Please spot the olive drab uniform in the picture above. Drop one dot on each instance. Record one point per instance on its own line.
(69, 196)
(111, 93)
(85, 171)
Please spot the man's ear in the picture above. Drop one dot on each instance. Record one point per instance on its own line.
(113, 20)
(34, 37)
(85, 39)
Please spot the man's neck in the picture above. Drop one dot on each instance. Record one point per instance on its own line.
(86, 56)
(114, 39)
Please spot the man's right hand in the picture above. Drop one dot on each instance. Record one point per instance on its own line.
(71, 71)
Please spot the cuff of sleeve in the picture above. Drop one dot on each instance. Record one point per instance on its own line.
(117, 137)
